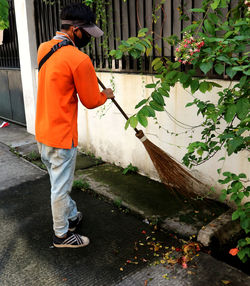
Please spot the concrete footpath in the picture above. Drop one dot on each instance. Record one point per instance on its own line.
(140, 233)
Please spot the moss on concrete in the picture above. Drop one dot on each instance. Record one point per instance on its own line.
(150, 198)
(84, 161)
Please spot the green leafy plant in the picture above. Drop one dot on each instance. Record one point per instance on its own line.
(4, 14)
(219, 43)
(34, 155)
(129, 169)
(80, 184)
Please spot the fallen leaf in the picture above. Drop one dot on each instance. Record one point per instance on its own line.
(121, 269)
(226, 282)
(144, 232)
(145, 282)
(165, 276)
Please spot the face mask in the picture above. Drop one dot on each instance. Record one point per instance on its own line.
(80, 43)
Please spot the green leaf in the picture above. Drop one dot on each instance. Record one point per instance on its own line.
(215, 4)
(242, 108)
(200, 151)
(235, 215)
(158, 98)
(149, 110)
(142, 32)
(215, 84)
(243, 81)
(156, 106)
(156, 61)
(132, 40)
(135, 53)
(206, 67)
(141, 103)
(127, 124)
(171, 75)
(230, 72)
(234, 144)
(209, 27)
(140, 47)
(189, 104)
(142, 119)
(194, 85)
(214, 18)
(204, 86)
(198, 10)
(247, 72)
(150, 85)
(230, 113)
(219, 68)
(224, 59)
(176, 65)
(242, 175)
(133, 122)
(191, 27)
(184, 77)
(118, 54)
(223, 197)
(4, 14)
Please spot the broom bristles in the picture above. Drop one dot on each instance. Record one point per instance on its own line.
(171, 173)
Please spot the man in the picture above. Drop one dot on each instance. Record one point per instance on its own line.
(66, 73)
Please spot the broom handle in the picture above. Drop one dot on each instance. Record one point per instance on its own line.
(116, 104)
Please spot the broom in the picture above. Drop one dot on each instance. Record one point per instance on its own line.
(171, 173)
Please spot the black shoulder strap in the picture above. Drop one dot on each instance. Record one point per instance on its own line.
(53, 49)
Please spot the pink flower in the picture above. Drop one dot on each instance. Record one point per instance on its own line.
(196, 50)
(185, 46)
(179, 61)
(184, 265)
(177, 49)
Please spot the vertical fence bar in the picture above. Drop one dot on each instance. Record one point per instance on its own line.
(9, 55)
(149, 24)
(167, 27)
(125, 31)
(117, 29)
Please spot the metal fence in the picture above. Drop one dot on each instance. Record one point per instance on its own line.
(121, 20)
(9, 55)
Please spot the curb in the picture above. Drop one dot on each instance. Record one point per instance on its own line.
(222, 229)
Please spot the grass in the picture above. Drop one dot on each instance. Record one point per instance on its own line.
(80, 184)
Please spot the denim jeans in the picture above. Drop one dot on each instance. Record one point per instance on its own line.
(60, 164)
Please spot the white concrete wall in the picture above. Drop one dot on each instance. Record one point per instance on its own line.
(101, 131)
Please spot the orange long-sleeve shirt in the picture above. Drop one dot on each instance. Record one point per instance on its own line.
(65, 74)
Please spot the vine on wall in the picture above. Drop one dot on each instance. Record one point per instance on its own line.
(211, 43)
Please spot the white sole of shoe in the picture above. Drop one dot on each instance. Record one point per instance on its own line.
(69, 245)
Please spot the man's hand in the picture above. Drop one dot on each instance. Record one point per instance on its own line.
(109, 93)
